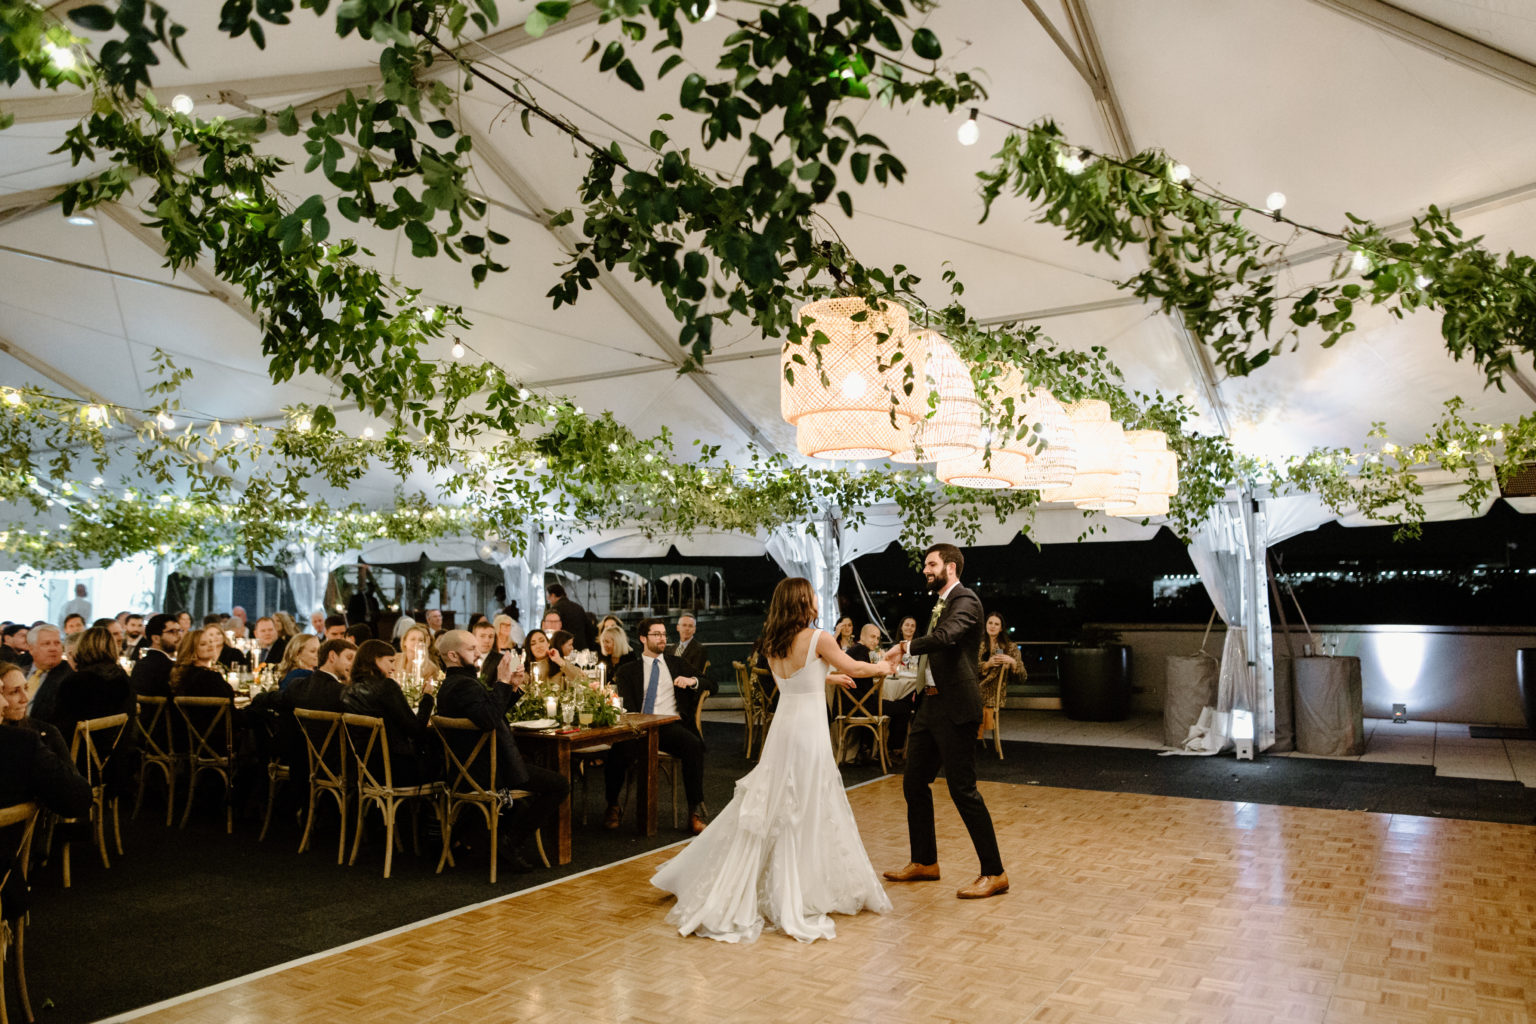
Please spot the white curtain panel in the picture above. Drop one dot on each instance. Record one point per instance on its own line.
(1219, 550)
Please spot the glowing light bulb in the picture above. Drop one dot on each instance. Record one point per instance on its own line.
(63, 58)
(239, 433)
(96, 414)
(12, 398)
(367, 432)
(97, 481)
(303, 422)
(1274, 202)
(1179, 173)
(523, 393)
(182, 104)
(1423, 280)
(1360, 262)
(458, 350)
(80, 220)
(1073, 164)
(166, 421)
(854, 385)
(970, 131)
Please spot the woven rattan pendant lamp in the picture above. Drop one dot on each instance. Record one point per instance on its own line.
(951, 425)
(1101, 455)
(1012, 447)
(1159, 474)
(1055, 463)
(850, 414)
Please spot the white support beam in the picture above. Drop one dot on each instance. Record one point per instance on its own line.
(491, 159)
(1464, 51)
(206, 279)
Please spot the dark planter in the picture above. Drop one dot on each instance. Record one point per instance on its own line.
(1525, 676)
(1096, 683)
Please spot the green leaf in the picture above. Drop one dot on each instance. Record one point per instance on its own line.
(611, 56)
(442, 128)
(629, 76)
(859, 165)
(846, 202)
(926, 45)
(668, 64)
(94, 17)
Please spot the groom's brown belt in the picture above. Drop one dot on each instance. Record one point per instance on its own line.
(930, 691)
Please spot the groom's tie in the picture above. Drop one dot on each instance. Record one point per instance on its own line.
(922, 661)
(649, 707)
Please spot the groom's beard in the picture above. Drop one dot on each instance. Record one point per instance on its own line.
(935, 583)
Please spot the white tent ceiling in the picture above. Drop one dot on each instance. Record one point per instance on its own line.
(1344, 105)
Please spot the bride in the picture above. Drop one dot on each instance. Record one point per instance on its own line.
(785, 850)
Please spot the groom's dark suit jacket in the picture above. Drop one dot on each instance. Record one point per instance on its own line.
(952, 648)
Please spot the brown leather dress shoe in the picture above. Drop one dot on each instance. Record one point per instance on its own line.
(986, 885)
(696, 823)
(612, 818)
(915, 872)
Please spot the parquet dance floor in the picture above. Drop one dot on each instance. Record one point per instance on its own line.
(1125, 908)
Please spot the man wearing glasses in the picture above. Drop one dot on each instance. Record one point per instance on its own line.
(658, 683)
(152, 673)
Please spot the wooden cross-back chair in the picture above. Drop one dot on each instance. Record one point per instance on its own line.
(673, 766)
(764, 690)
(376, 786)
(210, 725)
(470, 780)
(325, 747)
(94, 743)
(859, 708)
(157, 749)
(18, 821)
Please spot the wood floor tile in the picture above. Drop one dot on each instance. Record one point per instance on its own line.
(1124, 908)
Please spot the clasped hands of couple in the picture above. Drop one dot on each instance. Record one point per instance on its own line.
(890, 661)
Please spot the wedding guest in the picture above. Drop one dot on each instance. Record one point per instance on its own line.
(462, 696)
(537, 649)
(691, 649)
(843, 632)
(659, 683)
(613, 648)
(551, 623)
(867, 648)
(73, 623)
(287, 628)
(133, 633)
(13, 709)
(1000, 664)
(152, 674)
(417, 648)
(373, 691)
(435, 621)
(48, 670)
(113, 626)
(509, 632)
(860, 743)
(33, 769)
(80, 606)
(317, 622)
(185, 618)
(573, 617)
(501, 646)
(268, 647)
(335, 627)
(561, 646)
(402, 624)
(485, 640)
(16, 652)
(97, 688)
(359, 632)
(195, 673)
(321, 689)
(300, 658)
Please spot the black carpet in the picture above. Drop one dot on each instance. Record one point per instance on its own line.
(181, 910)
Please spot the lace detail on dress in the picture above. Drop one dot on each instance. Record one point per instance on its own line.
(785, 852)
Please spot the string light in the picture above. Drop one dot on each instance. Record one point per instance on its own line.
(1072, 163)
(1179, 173)
(96, 414)
(239, 433)
(367, 433)
(1422, 281)
(303, 422)
(62, 57)
(970, 131)
(166, 421)
(182, 104)
(458, 350)
(80, 220)
(13, 398)
(1274, 202)
(1360, 262)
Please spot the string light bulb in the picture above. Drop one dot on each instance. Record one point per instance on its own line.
(1360, 262)
(1073, 162)
(1179, 173)
(182, 104)
(239, 433)
(1274, 202)
(367, 433)
(970, 131)
(62, 57)
(166, 421)
(1422, 281)
(458, 350)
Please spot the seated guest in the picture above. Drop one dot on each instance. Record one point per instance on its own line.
(32, 765)
(97, 688)
(195, 673)
(13, 708)
(509, 632)
(658, 683)
(48, 670)
(867, 648)
(300, 657)
(462, 696)
(900, 711)
(321, 689)
(403, 623)
(434, 621)
(133, 634)
(537, 649)
(185, 618)
(113, 626)
(561, 646)
(358, 632)
(613, 648)
(317, 622)
(335, 627)
(691, 649)
(999, 661)
(418, 655)
(74, 623)
(152, 674)
(485, 641)
(843, 632)
(501, 646)
(372, 691)
(268, 648)
(860, 743)
(13, 646)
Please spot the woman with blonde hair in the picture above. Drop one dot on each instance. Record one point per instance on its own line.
(418, 654)
(613, 647)
(785, 851)
(299, 659)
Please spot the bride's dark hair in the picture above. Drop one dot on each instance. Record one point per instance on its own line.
(791, 609)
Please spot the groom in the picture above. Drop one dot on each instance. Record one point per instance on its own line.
(943, 731)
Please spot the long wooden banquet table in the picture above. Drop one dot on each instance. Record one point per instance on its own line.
(553, 749)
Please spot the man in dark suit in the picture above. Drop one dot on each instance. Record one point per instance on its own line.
(573, 617)
(943, 732)
(152, 675)
(659, 683)
(321, 689)
(691, 650)
(49, 669)
(462, 695)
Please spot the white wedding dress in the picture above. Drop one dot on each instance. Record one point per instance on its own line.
(785, 851)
